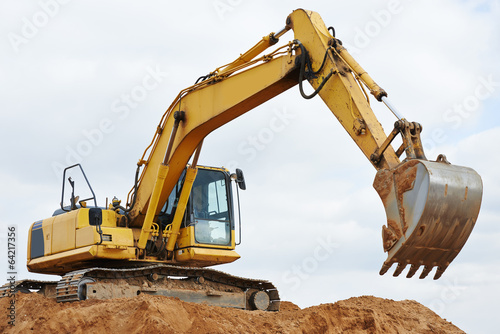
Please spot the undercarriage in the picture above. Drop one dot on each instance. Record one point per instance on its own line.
(200, 285)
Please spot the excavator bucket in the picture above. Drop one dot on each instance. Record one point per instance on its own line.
(431, 210)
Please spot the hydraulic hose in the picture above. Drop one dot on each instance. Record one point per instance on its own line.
(303, 59)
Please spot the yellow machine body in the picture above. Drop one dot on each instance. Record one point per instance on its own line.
(89, 237)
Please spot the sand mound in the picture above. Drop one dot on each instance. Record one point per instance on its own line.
(155, 314)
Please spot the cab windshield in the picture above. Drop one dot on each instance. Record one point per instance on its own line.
(210, 203)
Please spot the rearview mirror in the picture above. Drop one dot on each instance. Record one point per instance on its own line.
(239, 178)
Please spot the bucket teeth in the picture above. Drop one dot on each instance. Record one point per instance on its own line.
(413, 270)
(399, 269)
(385, 267)
(439, 272)
(425, 272)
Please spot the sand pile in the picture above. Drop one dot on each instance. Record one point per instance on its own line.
(155, 314)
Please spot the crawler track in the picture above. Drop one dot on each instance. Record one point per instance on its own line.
(67, 289)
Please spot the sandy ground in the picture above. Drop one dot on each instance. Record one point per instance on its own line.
(155, 314)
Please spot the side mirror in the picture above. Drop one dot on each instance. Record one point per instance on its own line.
(239, 178)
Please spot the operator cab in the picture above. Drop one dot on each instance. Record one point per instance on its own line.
(209, 218)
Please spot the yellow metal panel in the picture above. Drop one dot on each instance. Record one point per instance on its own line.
(66, 261)
(186, 237)
(63, 232)
(47, 235)
(83, 218)
(119, 236)
(105, 252)
(108, 218)
(86, 236)
(59, 263)
(212, 256)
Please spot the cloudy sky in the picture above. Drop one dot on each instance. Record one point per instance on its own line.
(311, 219)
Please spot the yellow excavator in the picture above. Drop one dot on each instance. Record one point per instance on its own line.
(179, 219)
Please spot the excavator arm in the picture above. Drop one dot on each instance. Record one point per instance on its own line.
(431, 206)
